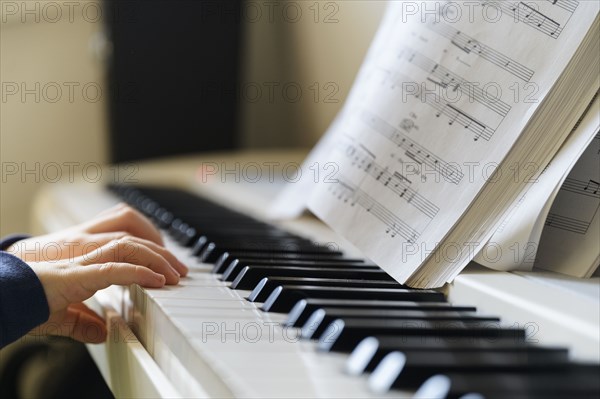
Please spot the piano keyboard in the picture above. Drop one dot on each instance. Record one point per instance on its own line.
(274, 314)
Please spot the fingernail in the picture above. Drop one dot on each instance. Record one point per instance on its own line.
(184, 267)
(160, 278)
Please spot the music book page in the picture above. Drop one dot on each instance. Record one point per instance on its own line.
(570, 242)
(318, 165)
(515, 244)
(442, 98)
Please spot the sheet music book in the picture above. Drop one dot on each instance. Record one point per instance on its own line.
(457, 110)
(562, 205)
(570, 242)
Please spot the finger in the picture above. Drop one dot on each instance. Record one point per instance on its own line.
(112, 209)
(85, 308)
(165, 253)
(91, 242)
(65, 284)
(126, 219)
(88, 326)
(100, 276)
(84, 325)
(77, 321)
(129, 251)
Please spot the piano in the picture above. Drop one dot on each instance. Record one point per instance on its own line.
(290, 309)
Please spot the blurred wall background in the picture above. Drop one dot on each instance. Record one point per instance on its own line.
(300, 58)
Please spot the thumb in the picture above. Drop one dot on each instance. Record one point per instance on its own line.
(77, 322)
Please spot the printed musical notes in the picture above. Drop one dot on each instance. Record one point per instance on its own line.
(438, 103)
(540, 21)
(399, 184)
(417, 152)
(537, 17)
(471, 46)
(445, 78)
(567, 5)
(468, 122)
(578, 200)
(353, 196)
(590, 187)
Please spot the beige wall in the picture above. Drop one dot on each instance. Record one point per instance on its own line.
(316, 51)
(38, 133)
(325, 48)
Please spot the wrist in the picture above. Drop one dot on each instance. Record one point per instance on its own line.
(9, 243)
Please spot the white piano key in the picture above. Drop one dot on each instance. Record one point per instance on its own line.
(237, 331)
(193, 303)
(197, 293)
(207, 313)
(195, 280)
(259, 348)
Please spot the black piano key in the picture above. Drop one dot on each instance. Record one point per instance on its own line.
(259, 239)
(573, 381)
(233, 271)
(148, 207)
(213, 251)
(321, 318)
(305, 307)
(221, 228)
(254, 241)
(408, 371)
(422, 364)
(344, 335)
(371, 350)
(283, 298)
(249, 276)
(163, 218)
(236, 266)
(179, 233)
(174, 227)
(199, 245)
(189, 236)
(260, 244)
(228, 228)
(245, 259)
(266, 286)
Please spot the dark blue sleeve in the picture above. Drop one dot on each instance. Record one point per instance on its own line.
(11, 239)
(23, 303)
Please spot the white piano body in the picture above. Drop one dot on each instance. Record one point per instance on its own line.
(201, 339)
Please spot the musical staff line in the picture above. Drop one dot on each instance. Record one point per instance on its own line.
(464, 119)
(394, 181)
(530, 16)
(590, 188)
(448, 78)
(470, 45)
(567, 223)
(418, 153)
(395, 225)
(567, 5)
(454, 114)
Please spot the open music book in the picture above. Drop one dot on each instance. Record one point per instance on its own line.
(461, 127)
